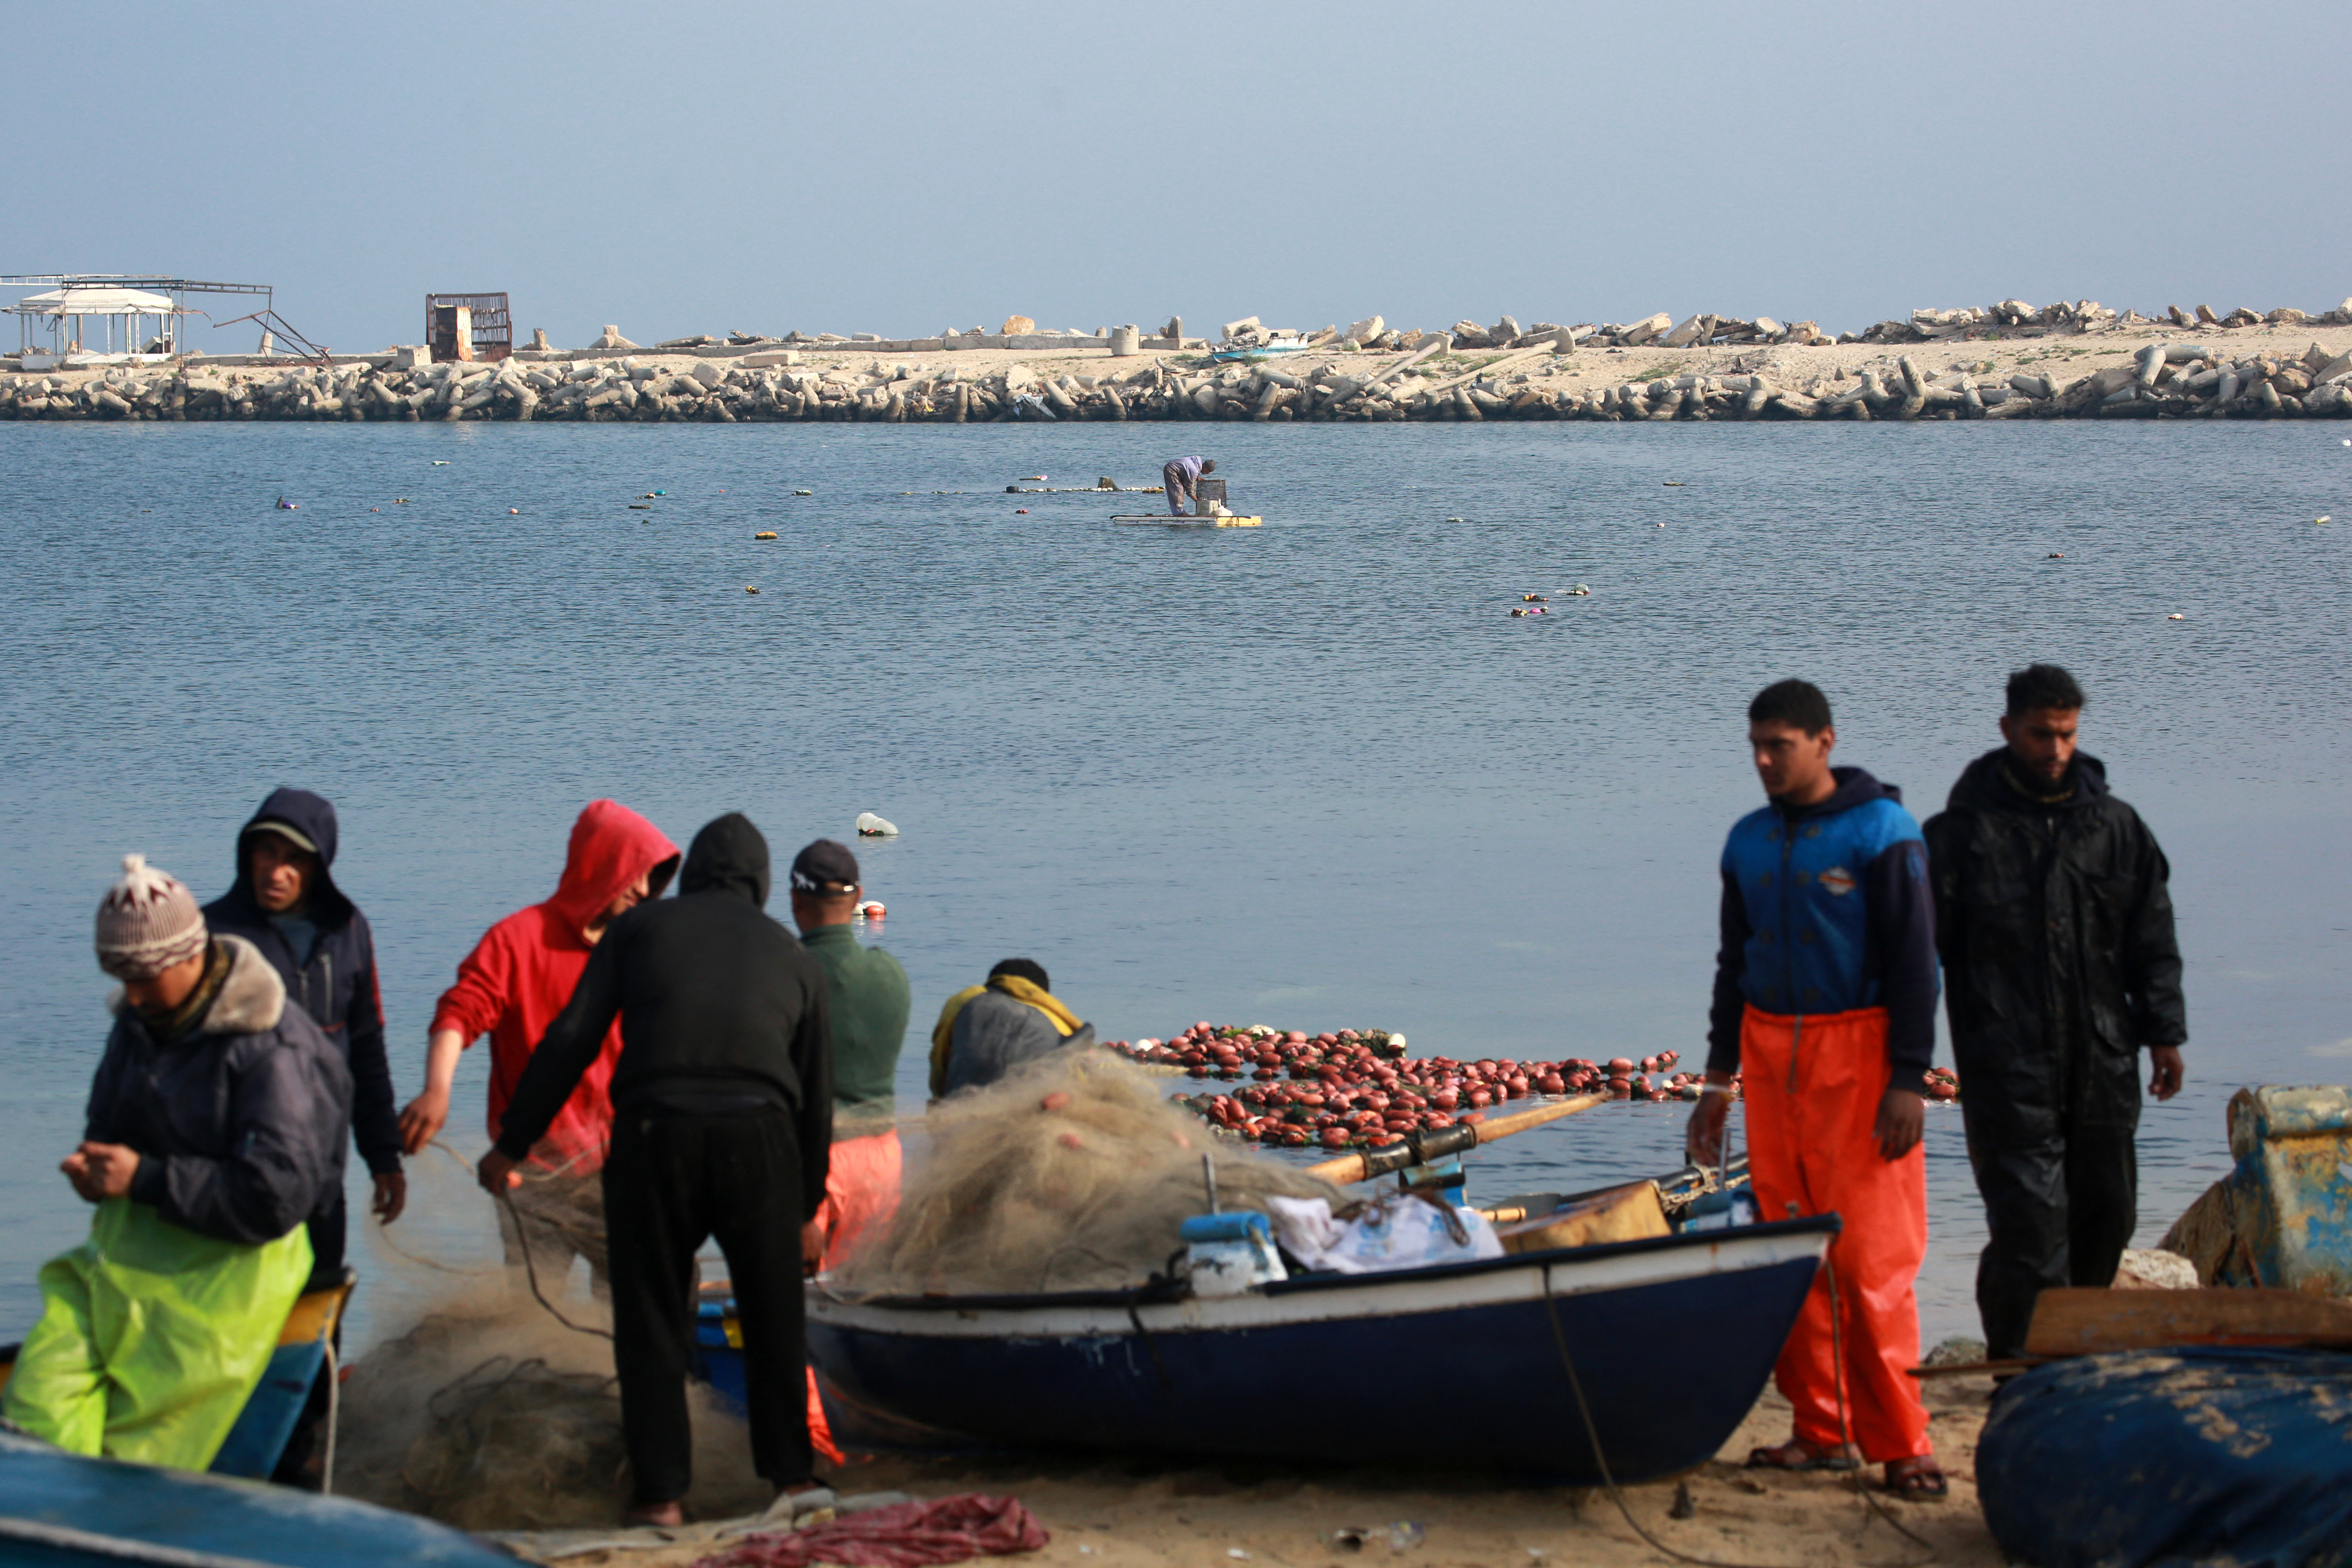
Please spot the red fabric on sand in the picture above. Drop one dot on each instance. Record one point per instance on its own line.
(525, 968)
(861, 1194)
(1811, 1085)
(904, 1535)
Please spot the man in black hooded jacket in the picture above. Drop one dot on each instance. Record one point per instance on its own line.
(2054, 920)
(722, 1118)
(285, 903)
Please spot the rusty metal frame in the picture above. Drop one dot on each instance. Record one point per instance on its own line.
(493, 335)
(281, 330)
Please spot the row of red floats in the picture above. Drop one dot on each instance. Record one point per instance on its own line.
(1352, 1088)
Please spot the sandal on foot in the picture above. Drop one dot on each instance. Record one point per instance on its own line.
(1796, 1454)
(1921, 1482)
(652, 1516)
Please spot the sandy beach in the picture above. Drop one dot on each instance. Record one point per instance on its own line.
(1148, 1514)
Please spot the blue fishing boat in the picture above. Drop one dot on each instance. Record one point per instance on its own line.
(60, 1508)
(1301, 1369)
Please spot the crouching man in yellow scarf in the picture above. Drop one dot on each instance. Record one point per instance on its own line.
(216, 1126)
(985, 1031)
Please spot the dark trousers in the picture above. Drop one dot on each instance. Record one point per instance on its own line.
(2061, 1207)
(330, 1234)
(672, 1181)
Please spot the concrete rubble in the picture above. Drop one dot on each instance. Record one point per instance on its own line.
(1367, 372)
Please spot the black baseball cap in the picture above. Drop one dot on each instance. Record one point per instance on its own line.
(824, 867)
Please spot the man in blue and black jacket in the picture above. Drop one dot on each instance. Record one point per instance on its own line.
(286, 903)
(1824, 1011)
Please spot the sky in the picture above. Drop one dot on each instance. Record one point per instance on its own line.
(909, 168)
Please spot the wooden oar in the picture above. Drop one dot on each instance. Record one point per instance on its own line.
(1419, 1148)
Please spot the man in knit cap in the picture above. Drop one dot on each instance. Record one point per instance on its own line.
(216, 1129)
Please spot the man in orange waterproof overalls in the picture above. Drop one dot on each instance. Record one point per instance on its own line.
(1825, 995)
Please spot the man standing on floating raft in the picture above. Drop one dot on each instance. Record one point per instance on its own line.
(1178, 476)
(1825, 992)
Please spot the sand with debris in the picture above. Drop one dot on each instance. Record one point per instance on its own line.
(1114, 1513)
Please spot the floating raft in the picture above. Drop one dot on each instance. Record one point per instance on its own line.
(1193, 522)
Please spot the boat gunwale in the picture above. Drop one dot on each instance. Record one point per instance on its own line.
(1307, 1285)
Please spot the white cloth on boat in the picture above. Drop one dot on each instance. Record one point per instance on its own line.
(1395, 1230)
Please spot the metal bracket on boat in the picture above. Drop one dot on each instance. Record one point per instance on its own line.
(1419, 1149)
(1441, 1179)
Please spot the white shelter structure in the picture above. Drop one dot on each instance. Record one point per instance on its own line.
(120, 338)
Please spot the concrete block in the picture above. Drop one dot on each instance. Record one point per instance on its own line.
(1649, 326)
(1686, 334)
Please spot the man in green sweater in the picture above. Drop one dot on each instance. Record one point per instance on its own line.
(869, 1001)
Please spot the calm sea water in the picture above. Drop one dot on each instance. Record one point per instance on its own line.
(1311, 775)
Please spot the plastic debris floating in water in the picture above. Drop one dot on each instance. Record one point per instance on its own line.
(803, 492)
(872, 827)
(769, 534)
(440, 462)
(872, 909)
(748, 589)
(2175, 615)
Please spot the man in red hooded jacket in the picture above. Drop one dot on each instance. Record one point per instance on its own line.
(510, 987)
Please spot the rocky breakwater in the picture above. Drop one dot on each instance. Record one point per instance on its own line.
(2002, 361)
(2164, 380)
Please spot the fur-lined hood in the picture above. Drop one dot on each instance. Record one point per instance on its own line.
(252, 998)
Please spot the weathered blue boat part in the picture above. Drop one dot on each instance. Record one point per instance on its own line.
(2168, 1459)
(1277, 1373)
(858, 1428)
(257, 1441)
(57, 1508)
(2291, 1192)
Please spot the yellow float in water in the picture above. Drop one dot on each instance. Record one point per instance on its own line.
(769, 534)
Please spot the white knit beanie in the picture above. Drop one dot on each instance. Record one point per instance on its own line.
(147, 922)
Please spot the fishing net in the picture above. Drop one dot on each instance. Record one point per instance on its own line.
(1073, 1173)
(489, 1410)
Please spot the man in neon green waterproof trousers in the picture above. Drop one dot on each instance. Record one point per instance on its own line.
(215, 1127)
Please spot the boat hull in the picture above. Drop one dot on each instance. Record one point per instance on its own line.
(60, 1507)
(1671, 1339)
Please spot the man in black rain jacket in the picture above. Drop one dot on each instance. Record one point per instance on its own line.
(2055, 920)
(723, 1119)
